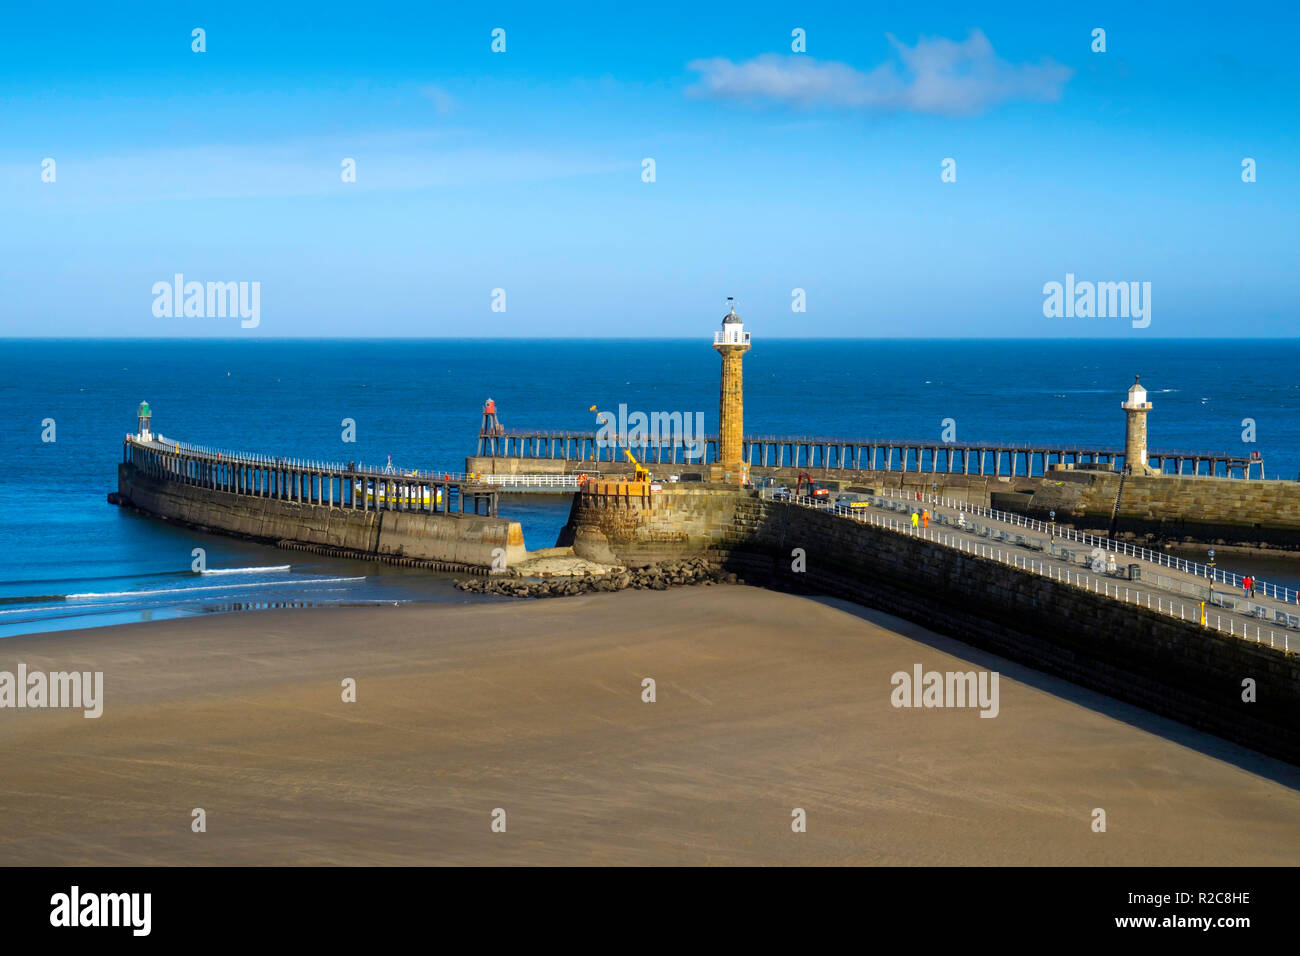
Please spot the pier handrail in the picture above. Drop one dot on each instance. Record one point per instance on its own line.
(338, 468)
(1082, 579)
(1283, 594)
(304, 464)
(309, 481)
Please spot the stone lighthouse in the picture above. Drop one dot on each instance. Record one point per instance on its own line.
(732, 343)
(1135, 434)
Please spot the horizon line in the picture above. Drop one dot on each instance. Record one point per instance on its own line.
(667, 338)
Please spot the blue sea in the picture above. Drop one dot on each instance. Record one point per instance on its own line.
(72, 560)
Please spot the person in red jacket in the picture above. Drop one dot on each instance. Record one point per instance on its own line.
(1247, 586)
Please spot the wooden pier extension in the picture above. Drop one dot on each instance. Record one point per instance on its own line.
(1010, 459)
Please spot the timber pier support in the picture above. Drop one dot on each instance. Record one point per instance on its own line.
(1006, 459)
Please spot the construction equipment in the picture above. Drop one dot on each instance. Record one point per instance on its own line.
(815, 490)
(642, 473)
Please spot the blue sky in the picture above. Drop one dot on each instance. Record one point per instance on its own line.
(774, 170)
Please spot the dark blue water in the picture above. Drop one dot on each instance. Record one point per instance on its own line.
(421, 401)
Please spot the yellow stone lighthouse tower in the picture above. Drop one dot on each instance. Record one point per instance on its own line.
(732, 343)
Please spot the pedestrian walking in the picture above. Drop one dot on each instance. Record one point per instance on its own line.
(916, 519)
(925, 518)
(1247, 586)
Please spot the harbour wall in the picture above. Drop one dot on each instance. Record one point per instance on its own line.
(1161, 508)
(458, 541)
(1231, 511)
(1168, 666)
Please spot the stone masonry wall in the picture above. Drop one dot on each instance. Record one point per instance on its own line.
(1173, 507)
(454, 539)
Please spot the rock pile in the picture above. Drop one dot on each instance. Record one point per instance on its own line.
(656, 577)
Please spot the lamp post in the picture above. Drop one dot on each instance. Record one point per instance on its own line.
(1211, 575)
(1051, 528)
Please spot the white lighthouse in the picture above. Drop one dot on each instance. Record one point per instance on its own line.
(1135, 434)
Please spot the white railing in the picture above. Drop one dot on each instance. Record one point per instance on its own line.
(730, 338)
(528, 481)
(1284, 594)
(159, 443)
(1080, 579)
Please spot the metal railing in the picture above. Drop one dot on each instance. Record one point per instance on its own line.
(1284, 594)
(731, 338)
(311, 465)
(526, 481)
(226, 457)
(1088, 581)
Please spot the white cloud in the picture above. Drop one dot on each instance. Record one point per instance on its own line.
(937, 75)
(442, 101)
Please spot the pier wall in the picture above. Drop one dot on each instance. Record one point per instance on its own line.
(454, 539)
(1172, 507)
(680, 521)
(476, 464)
(1162, 664)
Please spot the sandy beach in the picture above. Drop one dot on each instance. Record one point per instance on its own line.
(765, 703)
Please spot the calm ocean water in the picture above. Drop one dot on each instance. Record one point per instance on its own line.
(72, 560)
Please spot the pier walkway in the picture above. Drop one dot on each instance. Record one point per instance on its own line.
(1010, 459)
(1165, 584)
(326, 484)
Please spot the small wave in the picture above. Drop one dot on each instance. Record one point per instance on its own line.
(272, 567)
(134, 575)
(211, 587)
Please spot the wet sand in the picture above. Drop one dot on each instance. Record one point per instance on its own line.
(765, 703)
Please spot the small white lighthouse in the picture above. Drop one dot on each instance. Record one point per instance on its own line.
(144, 416)
(1135, 434)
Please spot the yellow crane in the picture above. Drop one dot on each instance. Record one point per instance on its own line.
(642, 473)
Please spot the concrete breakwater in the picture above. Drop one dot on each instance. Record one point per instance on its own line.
(1170, 666)
(387, 517)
